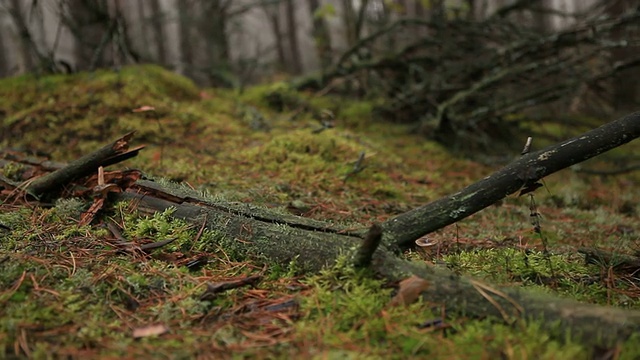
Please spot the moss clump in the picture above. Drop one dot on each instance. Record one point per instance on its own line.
(565, 274)
(346, 304)
(55, 112)
(312, 158)
(281, 97)
(159, 227)
(66, 117)
(357, 114)
(303, 147)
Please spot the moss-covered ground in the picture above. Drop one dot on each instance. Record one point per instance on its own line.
(67, 291)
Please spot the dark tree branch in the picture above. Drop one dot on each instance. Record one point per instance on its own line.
(406, 228)
(86, 165)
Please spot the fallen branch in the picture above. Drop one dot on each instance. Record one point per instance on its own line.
(111, 154)
(214, 289)
(405, 229)
(371, 242)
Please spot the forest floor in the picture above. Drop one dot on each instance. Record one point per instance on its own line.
(67, 291)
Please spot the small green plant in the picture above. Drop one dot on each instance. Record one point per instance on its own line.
(161, 226)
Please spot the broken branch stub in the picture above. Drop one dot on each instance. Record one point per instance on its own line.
(108, 155)
(368, 247)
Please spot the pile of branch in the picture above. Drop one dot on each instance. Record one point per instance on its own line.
(463, 77)
(279, 239)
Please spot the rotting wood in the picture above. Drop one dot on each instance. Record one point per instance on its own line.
(108, 155)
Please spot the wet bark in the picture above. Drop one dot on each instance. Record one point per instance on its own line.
(157, 21)
(296, 59)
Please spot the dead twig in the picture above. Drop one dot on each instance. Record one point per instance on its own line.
(215, 288)
(108, 155)
(358, 166)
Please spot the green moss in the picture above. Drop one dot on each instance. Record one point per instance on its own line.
(567, 274)
(12, 171)
(95, 108)
(81, 290)
(278, 96)
(300, 147)
(523, 340)
(346, 304)
(357, 114)
(344, 297)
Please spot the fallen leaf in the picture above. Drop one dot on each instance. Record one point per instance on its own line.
(144, 108)
(205, 95)
(149, 330)
(409, 291)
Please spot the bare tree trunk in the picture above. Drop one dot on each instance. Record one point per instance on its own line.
(362, 15)
(294, 46)
(142, 25)
(273, 14)
(212, 27)
(321, 36)
(348, 19)
(185, 19)
(91, 25)
(157, 22)
(4, 63)
(26, 41)
(625, 92)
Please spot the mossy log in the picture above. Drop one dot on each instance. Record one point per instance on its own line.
(279, 239)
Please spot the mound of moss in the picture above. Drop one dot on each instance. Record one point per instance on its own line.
(65, 115)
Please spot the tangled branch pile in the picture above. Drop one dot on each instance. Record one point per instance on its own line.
(463, 78)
